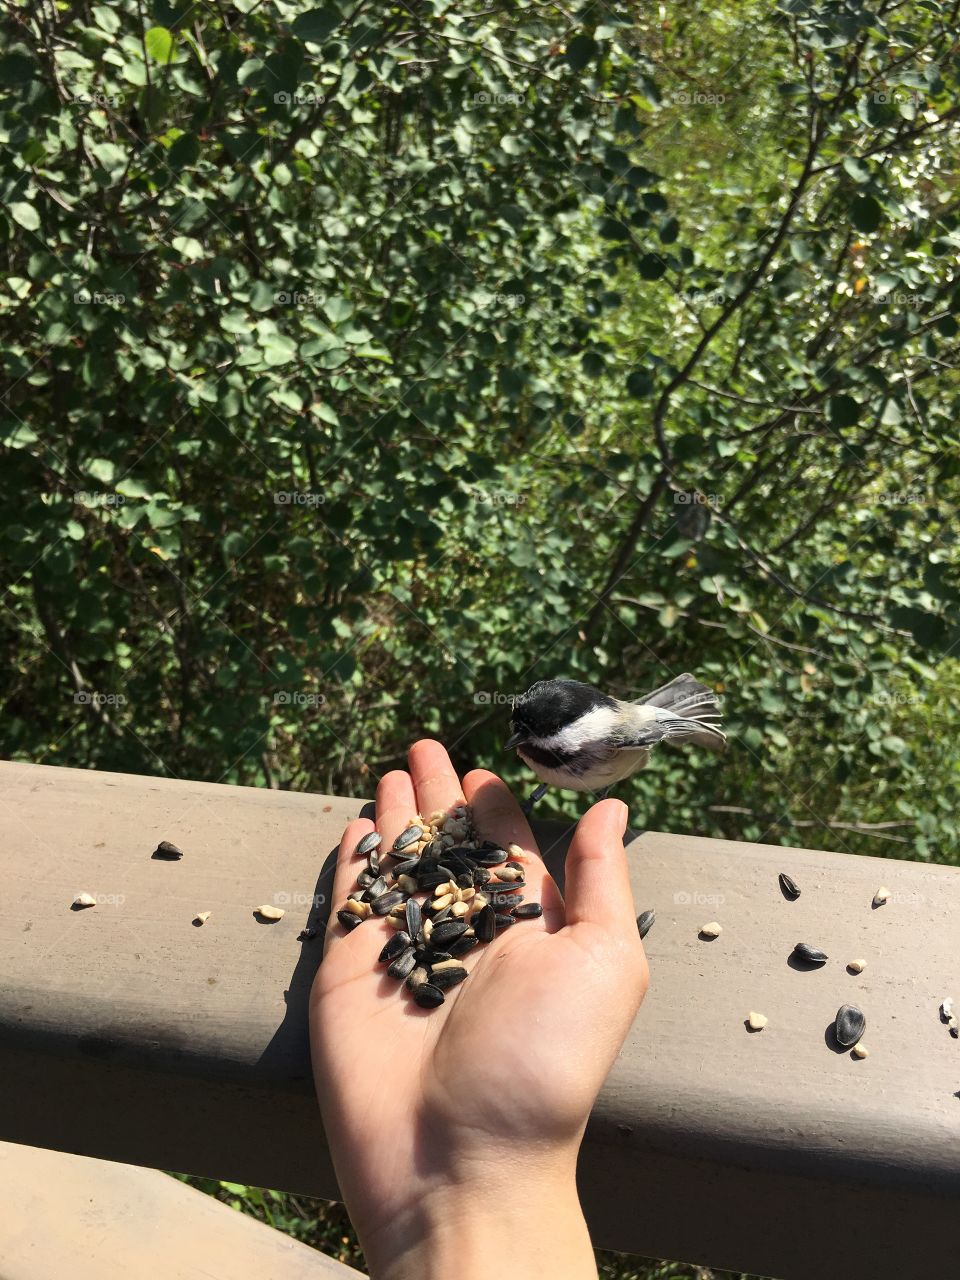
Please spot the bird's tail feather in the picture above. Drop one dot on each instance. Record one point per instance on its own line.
(696, 709)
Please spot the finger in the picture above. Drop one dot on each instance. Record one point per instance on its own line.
(434, 778)
(396, 805)
(345, 875)
(497, 817)
(597, 880)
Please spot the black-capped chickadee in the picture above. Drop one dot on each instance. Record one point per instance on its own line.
(576, 737)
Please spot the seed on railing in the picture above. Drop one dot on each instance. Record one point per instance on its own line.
(849, 1026)
(349, 921)
(810, 955)
(410, 836)
(789, 885)
(372, 840)
(711, 930)
(404, 964)
(427, 996)
(860, 1051)
(167, 850)
(857, 966)
(306, 935)
(756, 1021)
(881, 896)
(414, 917)
(646, 921)
(84, 900)
(269, 912)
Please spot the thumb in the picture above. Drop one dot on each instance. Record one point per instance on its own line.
(596, 881)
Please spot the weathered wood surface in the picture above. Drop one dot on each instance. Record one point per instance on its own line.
(66, 1215)
(126, 1032)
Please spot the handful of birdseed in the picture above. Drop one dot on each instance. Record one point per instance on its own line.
(473, 892)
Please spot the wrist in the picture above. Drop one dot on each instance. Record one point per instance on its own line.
(515, 1216)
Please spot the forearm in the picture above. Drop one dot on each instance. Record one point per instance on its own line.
(524, 1223)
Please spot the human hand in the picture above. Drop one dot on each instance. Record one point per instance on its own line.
(442, 1121)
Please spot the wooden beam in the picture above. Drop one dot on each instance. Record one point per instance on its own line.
(128, 1033)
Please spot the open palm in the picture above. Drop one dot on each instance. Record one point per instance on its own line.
(413, 1098)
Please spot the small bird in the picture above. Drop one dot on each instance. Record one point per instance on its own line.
(574, 736)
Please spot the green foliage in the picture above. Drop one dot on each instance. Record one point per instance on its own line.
(365, 365)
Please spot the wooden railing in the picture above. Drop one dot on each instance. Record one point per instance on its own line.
(128, 1033)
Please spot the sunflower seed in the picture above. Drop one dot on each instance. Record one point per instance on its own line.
(427, 931)
(810, 955)
(447, 931)
(270, 912)
(481, 877)
(427, 996)
(167, 850)
(397, 922)
(529, 911)
(373, 862)
(465, 880)
(711, 930)
(414, 917)
(756, 1021)
(881, 896)
(372, 840)
(409, 867)
(445, 978)
(491, 857)
(375, 890)
(645, 922)
(406, 884)
(417, 976)
(84, 900)
(459, 910)
(789, 885)
(503, 921)
(387, 901)
(462, 946)
(410, 836)
(486, 924)
(365, 879)
(514, 851)
(438, 904)
(432, 880)
(857, 966)
(518, 865)
(306, 935)
(202, 917)
(349, 921)
(849, 1026)
(946, 1008)
(394, 946)
(404, 964)
(507, 874)
(860, 1051)
(361, 909)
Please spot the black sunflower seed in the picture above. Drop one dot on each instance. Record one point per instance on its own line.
(789, 885)
(410, 836)
(482, 876)
(408, 868)
(365, 879)
(167, 850)
(372, 840)
(386, 902)
(465, 880)
(427, 996)
(348, 920)
(373, 862)
(645, 922)
(375, 890)
(447, 931)
(403, 965)
(486, 924)
(503, 922)
(444, 978)
(414, 917)
(515, 866)
(460, 948)
(529, 911)
(492, 857)
(434, 955)
(432, 879)
(393, 947)
(849, 1026)
(438, 916)
(810, 955)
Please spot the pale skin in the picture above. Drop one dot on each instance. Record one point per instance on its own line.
(455, 1131)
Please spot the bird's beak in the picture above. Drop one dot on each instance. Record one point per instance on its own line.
(515, 740)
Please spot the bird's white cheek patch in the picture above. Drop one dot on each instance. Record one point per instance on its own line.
(593, 726)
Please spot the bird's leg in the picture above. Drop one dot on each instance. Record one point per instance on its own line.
(537, 794)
